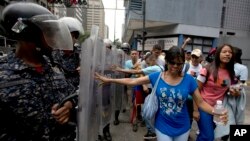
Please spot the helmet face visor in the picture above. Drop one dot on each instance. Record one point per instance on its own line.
(56, 33)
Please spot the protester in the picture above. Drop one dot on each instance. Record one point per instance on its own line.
(31, 84)
(235, 103)
(171, 120)
(241, 71)
(134, 63)
(150, 60)
(214, 81)
(188, 56)
(152, 67)
(187, 51)
(157, 51)
(193, 70)
(195, 66)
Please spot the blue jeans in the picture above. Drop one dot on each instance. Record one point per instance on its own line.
(162, 137)
(149, 125)
(206, 127)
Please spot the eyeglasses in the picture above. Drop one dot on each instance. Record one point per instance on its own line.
(174, 63)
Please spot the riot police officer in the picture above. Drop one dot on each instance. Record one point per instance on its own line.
(31, 84)
(125, 47)
(69, 60)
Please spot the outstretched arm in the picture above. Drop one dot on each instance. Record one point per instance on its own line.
(130, 71)
(124, 81)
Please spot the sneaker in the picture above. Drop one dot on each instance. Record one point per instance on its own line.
(107, 136)
(116, 122)
(150, 135)
(124, 110)
(100, 138)
(139, 118)
(135, 127)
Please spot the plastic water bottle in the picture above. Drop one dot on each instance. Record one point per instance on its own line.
(218, 109)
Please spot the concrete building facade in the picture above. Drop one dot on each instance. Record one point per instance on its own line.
(79, 12)
(235, 26)
(170, 22)
(96, 16)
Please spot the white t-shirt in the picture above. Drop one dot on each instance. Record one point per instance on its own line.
(241, 70)
(194, 70)
(160, 62)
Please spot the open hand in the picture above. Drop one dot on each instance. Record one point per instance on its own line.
(234, 90)
(102, 78)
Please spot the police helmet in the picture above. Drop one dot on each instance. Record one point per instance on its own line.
(74, 25)
(29, 21)
(108, 43)
(125, 47)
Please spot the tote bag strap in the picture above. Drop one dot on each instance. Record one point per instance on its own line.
(156, 83)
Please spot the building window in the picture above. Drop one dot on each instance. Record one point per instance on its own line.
(136, 5)
(202, 43)
(231, 33)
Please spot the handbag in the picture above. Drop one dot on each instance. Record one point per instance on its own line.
(150, 106)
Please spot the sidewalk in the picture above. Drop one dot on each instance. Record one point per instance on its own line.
(123, 131)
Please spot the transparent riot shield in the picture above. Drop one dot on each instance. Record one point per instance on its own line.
(118, 90)
(125, 99)
(89, 101)
(106, 109)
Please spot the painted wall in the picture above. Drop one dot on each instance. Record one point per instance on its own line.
(190, 12)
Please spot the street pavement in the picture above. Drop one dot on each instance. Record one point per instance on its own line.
(123, 131)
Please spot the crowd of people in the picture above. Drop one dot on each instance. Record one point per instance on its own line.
(39, 83)
(212, 80)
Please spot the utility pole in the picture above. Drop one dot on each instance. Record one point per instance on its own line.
(115, 19)
(143, 25)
